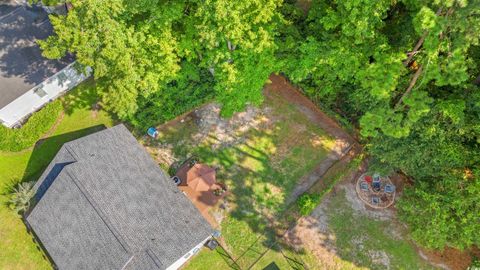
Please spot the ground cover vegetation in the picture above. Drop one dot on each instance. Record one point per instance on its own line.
(405, 73)
(34, 129)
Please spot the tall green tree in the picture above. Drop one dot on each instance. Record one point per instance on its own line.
(136, 48)
(129, 60)
(235, 42)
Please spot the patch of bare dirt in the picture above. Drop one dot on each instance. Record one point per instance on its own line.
(218, 131)
(379, 257)
(313, 234)
(228, 132)
(162, 153)
(449, 258)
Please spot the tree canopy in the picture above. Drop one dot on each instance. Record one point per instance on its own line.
(138, 48)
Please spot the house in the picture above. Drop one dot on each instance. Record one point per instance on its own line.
(28, 80)
(103, 203)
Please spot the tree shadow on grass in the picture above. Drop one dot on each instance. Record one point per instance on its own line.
(85, 95)
(46, 149)
(43, 153)
(250, 173)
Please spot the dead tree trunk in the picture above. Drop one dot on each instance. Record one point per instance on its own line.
(410, 56)
(415, 49)
(410, 86)
(419, 44)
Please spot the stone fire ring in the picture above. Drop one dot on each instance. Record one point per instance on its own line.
(385, 199)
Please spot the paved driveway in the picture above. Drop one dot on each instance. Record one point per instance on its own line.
(22, 65)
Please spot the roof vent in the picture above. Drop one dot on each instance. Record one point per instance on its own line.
(40, 92)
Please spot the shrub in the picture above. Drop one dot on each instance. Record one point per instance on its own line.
(190, 90)
(28, 134)
(307, 203)
(444, 212)
(22, 197)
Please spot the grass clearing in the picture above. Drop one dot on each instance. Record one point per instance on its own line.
(344, 235)
(260, 170)
(18, 250)
(361, 239)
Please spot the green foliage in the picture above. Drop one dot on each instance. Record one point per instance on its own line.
(238, 47)
(46, 2)
(22, 197)
(475, 264)
(32, 130)
(143, 50)
(192, 89)
(445, 212)
(349, 57)
(128, 60)
(307, 203)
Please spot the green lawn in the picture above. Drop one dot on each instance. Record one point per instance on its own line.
(18, 251)
(260, 171)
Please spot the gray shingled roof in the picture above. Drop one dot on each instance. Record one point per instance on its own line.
(103, 203)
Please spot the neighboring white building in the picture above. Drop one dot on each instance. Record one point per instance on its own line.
(28, 81)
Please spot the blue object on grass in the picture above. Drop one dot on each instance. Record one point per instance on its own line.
(152, 132)
(176, 180)
(375, 200)
(216, 234)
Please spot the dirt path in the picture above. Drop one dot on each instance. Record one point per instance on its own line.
(312, 232)
(343, 141)
(283, 88)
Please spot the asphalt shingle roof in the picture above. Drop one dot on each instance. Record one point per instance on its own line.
(105, 204)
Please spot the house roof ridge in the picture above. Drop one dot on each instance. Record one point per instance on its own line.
(97, 209)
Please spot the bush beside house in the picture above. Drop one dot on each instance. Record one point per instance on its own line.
(15, 140)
